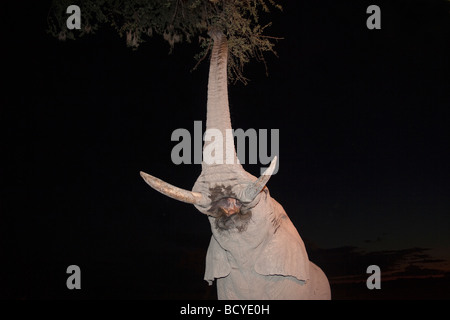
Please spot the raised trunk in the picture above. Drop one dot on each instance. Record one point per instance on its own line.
(225, 171)
(218, 113)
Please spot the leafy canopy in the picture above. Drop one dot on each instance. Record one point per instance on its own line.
(176, 21)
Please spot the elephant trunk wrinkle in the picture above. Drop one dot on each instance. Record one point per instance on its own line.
(218, 112)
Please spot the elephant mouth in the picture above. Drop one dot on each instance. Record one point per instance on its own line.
(230, 206)
(223, 202)
(238, 220)
(228, 211)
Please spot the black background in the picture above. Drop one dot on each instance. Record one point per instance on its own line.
(363, 118)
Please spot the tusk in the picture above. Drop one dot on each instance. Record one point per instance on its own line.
(175, 192)
(255, 188)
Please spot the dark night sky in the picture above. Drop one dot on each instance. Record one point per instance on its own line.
(364, 152)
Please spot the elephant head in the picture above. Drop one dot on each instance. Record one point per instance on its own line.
(252, 234)
(223, 187)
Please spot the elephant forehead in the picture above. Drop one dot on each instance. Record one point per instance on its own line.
(226, 176)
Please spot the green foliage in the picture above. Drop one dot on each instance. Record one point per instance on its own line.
(176, 21)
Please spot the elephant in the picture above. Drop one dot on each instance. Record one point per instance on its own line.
(255, 251)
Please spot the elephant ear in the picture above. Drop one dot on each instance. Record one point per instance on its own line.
(285, 253)
(217, 265)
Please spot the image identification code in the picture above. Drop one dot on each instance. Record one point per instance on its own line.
(241, 309)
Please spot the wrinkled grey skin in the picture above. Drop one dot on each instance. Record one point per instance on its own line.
(266, 261)
(255, 251)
